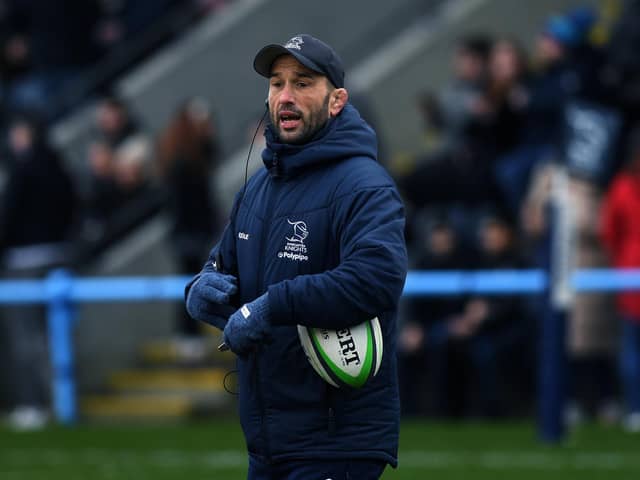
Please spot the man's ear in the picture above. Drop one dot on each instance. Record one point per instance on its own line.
(339, 98)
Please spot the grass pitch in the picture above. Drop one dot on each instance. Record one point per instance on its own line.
(215, 450)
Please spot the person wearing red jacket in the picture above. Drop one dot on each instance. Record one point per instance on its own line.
(621, 237)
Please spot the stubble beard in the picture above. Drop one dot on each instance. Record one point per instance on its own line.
(311, 124)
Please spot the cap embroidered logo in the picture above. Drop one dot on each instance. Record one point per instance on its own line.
(295, 42)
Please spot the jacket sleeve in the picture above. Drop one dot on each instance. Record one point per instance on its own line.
(222, 258)
(368, 225)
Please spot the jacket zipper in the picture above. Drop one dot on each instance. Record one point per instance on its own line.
(259, 394)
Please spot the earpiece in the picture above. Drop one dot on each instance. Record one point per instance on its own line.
(266, 103)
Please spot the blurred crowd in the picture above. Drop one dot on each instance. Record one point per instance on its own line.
(51, 216)
(55, 213)
(509, 124)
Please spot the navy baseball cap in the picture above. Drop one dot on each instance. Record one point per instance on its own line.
(309, 51)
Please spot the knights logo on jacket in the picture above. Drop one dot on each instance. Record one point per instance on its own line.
(294, 248)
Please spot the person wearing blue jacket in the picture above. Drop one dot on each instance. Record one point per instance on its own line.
(315, 238)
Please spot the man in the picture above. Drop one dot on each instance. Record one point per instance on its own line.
(315, 238)
(37, 217)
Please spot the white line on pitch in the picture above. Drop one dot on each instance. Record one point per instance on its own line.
(231, 459)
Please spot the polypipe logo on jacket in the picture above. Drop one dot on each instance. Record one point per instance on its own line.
(295, 249)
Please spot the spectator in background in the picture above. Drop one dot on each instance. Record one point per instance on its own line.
(15, 58)
(494, 119)
(36, 216)
(493, 328)
(427, 370)
(449, 111)
(103, 198)
(39, 201)
(117, 179)
(114, 121)
(591, 333)
(187, 155)
(448, 114)
(542, 105)
(457, 172)
(507, 80)
(621, 237)
(458, 102)
(119, 164)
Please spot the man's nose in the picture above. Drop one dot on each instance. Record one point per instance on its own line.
(286, 94)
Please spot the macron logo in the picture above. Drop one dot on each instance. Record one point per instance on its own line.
(243, 236)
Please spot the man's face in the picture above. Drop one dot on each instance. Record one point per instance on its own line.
(20, 137)
(298, 100)
(468, 66)
(548, 50)
(495, 238)
(110, 118)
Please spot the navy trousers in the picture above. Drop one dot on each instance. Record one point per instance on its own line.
(316, 470)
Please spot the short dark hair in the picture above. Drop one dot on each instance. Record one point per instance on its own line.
(477, 45)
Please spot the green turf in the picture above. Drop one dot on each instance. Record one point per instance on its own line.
(215, 450)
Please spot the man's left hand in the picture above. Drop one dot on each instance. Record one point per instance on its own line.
(248, 327)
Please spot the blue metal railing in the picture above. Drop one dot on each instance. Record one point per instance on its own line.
(61, 291)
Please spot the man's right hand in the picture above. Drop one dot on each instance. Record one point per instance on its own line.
(209, 290)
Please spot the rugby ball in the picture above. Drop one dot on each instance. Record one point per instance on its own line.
(347, 357)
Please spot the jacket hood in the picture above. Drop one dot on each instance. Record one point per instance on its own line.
(344, 136)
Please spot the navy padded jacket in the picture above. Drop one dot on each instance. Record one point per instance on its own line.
(321, 229)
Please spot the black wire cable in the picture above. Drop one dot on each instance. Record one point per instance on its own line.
(223, 346)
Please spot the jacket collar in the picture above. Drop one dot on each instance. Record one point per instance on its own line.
(347, 135)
